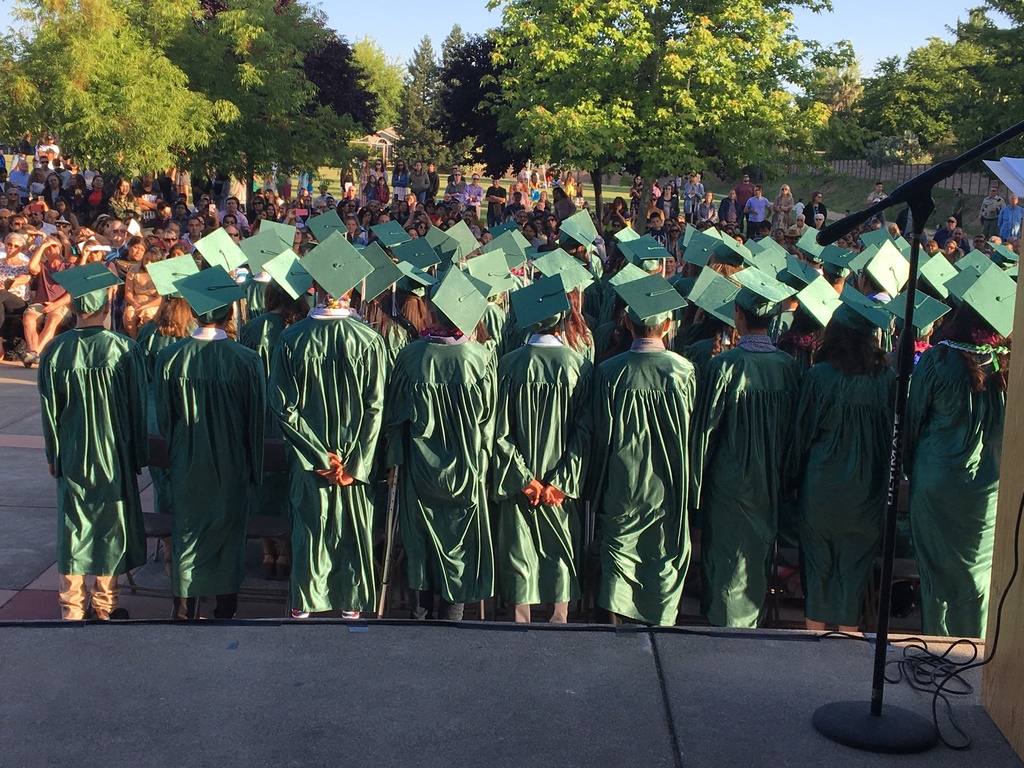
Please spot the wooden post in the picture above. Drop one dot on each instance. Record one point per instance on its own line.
(1002, 691)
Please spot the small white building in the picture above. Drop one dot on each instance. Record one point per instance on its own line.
(381, 143)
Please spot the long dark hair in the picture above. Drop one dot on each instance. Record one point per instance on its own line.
(577, 334)
(276, 300)
(966, 327)
(851, 351)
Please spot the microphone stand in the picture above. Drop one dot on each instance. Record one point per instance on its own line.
(881, 728)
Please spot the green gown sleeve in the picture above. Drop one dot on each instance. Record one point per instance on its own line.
(568, 474)
(50, 408)
(359, 459)
(710, 409)
(284, 398)
(919, 402)
(510, 473)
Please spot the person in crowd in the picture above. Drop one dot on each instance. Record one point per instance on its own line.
(707, 211)
(741, 438)
(399, 181)
(1010, 217)
(326, 364)
(210, 404)
(495, 196)
(92, 384)
(953, 444)
(841, 440)
(52, 304)
(990, 208)
(141, 298)
(444, 378)
(782, 209)
(643, 404)
(756, 210)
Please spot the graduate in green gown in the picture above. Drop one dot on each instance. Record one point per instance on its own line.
(260, 335)
(327, 388)
(841, 465)
(643, 400)
(211, 405)
(741, 436)
(92, 387)
(542, 436)
(439, 426)
(953, 449)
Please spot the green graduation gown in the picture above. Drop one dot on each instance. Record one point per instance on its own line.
(255, 297)
(260, 335)
(643, 402)
(327, 389)
(439, 424)
(841, 467)
(543, 431)
(92, 385)
(152, 344)
(495, 321)
(953, 449)
(211, 406)
(741, 440)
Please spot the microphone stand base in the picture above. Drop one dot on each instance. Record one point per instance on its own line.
(896, 731)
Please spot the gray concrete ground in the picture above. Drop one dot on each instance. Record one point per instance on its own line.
(318, 694)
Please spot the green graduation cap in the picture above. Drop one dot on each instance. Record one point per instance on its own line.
(645, 252)
(579, 229)
(555, 262)
(808, 243)
(413, 278)
(715, 295)
(492, 269)
(990, 293)
(436, 237)
(459, 300)
(287, 271)
(699, 246)
(1003, 255)
(977, 259)
(285, 231)
(167, 272)
(769, 261)
(626, 234)
(839, 262)
(926, 311)
(760, 293)
(87, 285)
(731, 251)
(1012, 272)
(888, 268)
(861, 313)
(336, 265)
(798, 272)
(651, 300)
(208, 291)
(876, 237)
(262, 247)
(901, 243)
(819, 300)
(936, 272)
(324, 225)
(627, 274)
(513, 245)
(500, 229)
(418, 253)
(544, 300)
(391, 233)
(464, 237)
(219, 250)
(385, 272)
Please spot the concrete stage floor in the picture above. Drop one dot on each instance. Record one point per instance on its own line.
(321, 693)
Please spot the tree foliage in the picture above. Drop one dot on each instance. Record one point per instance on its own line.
(385, 79)
(421, 140)
(665, 85)
(237, 86)
(470, 95)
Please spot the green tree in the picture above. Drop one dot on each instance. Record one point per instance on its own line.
(384, 76)
(91, 73)
(421, 140)
(664, 85)
(839, 88)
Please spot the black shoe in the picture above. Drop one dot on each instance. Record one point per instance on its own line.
(118, 614)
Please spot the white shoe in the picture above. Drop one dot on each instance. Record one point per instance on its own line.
(297, 614)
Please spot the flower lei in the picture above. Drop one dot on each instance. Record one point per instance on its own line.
(987, 350)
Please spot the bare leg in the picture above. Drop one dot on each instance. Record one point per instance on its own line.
(521, 613)
(72, 596)
(849, 630)
(105, 593)
(560, 615)
(31, 321)
(53, 321)
(815, 626)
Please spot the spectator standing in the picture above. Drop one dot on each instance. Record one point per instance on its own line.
(399, 181)
(744, 191)
(990, 208)
(815, 207)
(693, 194)
(495, 203)
(756, 210)
(419, 182)
(473, 194)
(435, 182)
(730, 211)
(1010, 217)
